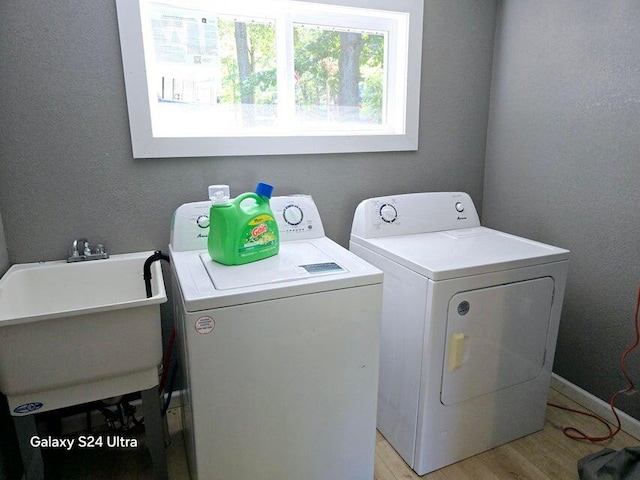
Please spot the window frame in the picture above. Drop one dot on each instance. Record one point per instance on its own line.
(277, 142)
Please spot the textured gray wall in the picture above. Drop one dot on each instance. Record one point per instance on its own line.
(66, 167)
(7, 446)
(4, 254)
(563, 166)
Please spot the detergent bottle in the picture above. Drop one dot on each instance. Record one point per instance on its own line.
(241, 230)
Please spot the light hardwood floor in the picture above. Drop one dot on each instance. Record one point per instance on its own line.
(545, 455)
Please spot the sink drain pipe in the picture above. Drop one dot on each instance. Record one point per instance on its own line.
(146, 270)
(146, 274)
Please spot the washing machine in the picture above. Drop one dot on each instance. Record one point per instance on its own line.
(280, 356)
(469, 326)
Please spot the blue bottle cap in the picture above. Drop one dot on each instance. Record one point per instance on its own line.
(264, 190)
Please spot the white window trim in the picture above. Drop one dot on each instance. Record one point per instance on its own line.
(145, 145)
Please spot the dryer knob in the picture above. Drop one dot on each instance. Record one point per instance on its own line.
(388, 213)
(460, 207)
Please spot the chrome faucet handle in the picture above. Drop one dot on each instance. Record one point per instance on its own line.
(79, 247)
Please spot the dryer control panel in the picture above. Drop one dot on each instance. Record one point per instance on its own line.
(297, 217)
(414, 213)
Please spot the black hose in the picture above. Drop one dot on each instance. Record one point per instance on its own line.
(146, 270)
(172, 381)
(158, 255)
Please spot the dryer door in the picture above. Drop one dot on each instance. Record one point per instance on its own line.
(496, 337)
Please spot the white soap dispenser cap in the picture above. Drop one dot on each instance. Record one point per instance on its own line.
(219, 194)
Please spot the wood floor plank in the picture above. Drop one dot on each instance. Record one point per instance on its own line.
(470, 469)
(507, 463)
(381, 471)
(394, 461)
(547, 454)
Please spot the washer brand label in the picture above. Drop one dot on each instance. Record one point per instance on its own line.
(205, 325)
(28, 407)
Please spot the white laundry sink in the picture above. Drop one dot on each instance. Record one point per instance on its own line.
(76, 332)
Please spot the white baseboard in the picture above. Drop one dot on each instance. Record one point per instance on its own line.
(601, 408)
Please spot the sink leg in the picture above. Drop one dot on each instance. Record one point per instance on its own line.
(154, 432)
(31, 456)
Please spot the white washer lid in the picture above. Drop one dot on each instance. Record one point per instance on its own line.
(295, 261)
(462, 252)
(199, 293)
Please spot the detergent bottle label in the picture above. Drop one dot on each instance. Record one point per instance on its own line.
(259, 235)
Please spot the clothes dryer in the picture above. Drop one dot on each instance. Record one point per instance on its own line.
(280, 356)
(469, 326)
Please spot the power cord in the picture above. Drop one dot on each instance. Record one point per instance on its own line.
(576, 434)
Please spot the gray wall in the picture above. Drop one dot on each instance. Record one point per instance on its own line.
(4, 254)
(563, 166)
(8, 452)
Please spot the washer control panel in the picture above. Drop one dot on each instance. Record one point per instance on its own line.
(414, 213)
(296, 215)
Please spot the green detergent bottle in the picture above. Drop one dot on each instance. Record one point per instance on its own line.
(241, 230)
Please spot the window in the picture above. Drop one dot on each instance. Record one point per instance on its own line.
(271, 76)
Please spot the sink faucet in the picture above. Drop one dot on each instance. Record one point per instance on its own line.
(81, 250)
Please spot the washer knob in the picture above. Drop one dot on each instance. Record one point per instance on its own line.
(293, 215)
(459, 207)
(388, 213)
(203, 221)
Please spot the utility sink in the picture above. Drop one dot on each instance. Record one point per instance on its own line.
(72, 333)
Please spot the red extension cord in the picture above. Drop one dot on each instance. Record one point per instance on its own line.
(576, 434)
